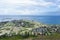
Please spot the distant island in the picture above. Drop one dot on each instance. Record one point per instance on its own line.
(28, 30)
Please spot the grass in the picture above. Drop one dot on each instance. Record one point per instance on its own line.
(11, 38)
(55, 36)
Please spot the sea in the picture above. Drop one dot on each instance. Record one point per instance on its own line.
(38, 18)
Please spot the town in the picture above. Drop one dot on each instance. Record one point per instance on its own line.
(27, 28)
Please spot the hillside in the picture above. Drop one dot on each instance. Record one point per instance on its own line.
(26, 28)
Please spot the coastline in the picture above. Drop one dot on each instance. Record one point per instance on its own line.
(27, 28)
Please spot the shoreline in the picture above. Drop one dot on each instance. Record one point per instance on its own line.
(26, 28)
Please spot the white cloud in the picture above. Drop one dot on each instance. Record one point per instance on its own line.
(19, 2)
(25, 2)
(43, 3)
(58, 6)
(8, 7)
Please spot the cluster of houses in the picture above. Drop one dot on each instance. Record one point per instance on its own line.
(38, 29)
(47, 30)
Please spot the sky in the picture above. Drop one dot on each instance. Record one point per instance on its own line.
(29, 7)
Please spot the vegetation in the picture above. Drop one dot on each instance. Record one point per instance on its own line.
(28, 30)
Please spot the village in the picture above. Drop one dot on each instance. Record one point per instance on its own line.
(26, 28)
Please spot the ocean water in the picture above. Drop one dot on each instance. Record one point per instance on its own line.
(42, 19)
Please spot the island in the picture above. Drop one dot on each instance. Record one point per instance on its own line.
(28, 30)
